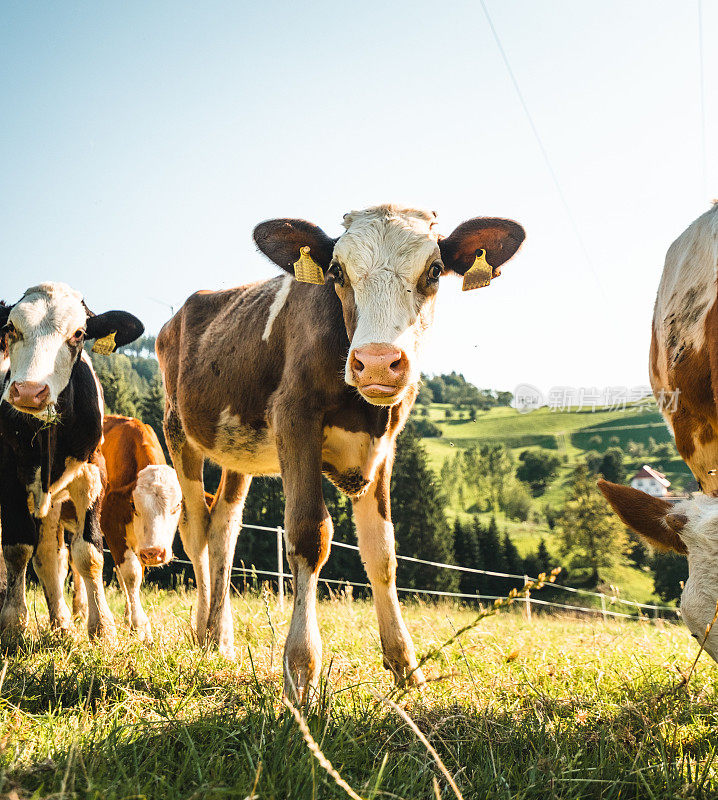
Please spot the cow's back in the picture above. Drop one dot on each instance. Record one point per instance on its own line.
(684, 346)
(129, 446)
(225, 354)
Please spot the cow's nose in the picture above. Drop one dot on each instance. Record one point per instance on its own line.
(152, 556)
(29, 394)
(379, 369)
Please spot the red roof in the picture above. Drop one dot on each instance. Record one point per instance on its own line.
(648, 472)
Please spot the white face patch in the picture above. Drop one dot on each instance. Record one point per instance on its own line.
(700, 536)
(385, 252)
(157, 497)
(45, 319)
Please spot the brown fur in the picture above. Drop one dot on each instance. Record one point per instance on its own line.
(644, 514)
(128, 447)
(288, 387)
(694, 373)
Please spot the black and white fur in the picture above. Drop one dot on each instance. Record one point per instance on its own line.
(44, 462)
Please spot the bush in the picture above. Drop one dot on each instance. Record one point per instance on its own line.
(425, 428)
(517, 502)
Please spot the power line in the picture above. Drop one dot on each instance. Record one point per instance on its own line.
(544, 153)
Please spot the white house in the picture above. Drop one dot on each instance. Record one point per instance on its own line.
(651, 481)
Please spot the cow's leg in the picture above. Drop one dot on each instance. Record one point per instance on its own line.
(80, 609)
(87, 551)
(308, 535)
(19, 534)
(130, 573)
(3, 574)
(225, 522)
(50, 563)
(377, 549)
(194, 520)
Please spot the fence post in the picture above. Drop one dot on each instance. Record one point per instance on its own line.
(603, 606)
(280, 568)
(527, 600)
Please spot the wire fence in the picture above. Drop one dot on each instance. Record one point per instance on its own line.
(606, 600)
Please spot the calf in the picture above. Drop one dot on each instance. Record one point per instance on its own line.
(689, 528)
(140, 510)
(50, 432)
(286, 377)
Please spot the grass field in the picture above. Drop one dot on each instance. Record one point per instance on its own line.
(556, 708)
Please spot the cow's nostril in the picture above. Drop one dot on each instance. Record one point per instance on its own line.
(357, 365)
(396, 364)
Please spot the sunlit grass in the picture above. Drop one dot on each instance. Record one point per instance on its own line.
(559, 707)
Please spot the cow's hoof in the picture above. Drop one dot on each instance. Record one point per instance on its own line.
(103, 630)
(301, 680)
(144, 632)
(12, 625)
(405, 675)
(227, 650)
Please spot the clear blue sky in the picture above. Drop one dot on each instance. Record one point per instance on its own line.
(142, 141)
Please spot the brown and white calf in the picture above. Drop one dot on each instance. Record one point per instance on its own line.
(140, 510)
(290, 378)
(689, 528)
(684, 376)
(50, 431)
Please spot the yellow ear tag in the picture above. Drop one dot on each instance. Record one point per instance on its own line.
(306, 269)
(105, 345)
(479, 273)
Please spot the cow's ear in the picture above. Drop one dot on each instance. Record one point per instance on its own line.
(500, 238)
(281, 239)
(651, 517)
(118, 328)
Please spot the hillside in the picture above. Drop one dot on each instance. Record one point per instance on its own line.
(571, 435)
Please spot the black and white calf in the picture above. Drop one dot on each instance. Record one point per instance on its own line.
(51, 411)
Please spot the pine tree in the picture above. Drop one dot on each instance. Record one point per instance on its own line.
(466, 554)
(589, 533)
(152, 406)
(669, 571)
(512, 559)
(543, 557)
(491, 555)
(417, 509)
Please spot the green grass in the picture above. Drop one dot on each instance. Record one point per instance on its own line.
(561, 707)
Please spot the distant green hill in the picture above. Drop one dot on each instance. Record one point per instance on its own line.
(571, 433)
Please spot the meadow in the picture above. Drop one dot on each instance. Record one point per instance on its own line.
(559, 707)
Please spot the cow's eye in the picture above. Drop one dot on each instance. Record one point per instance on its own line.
(77, 335)
(132, 506)
(336, 273)
(435, 271)
(13, 334)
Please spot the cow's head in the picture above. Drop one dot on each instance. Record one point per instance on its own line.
(386, 269)
(689, 528)
(156, 505)
(44, 333)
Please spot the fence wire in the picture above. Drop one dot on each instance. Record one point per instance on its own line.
(530, 600)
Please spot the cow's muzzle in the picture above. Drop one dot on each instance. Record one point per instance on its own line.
(153, 556)
(29, 396)
(380, 372)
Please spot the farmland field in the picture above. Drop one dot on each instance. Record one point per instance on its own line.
(558, 707)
